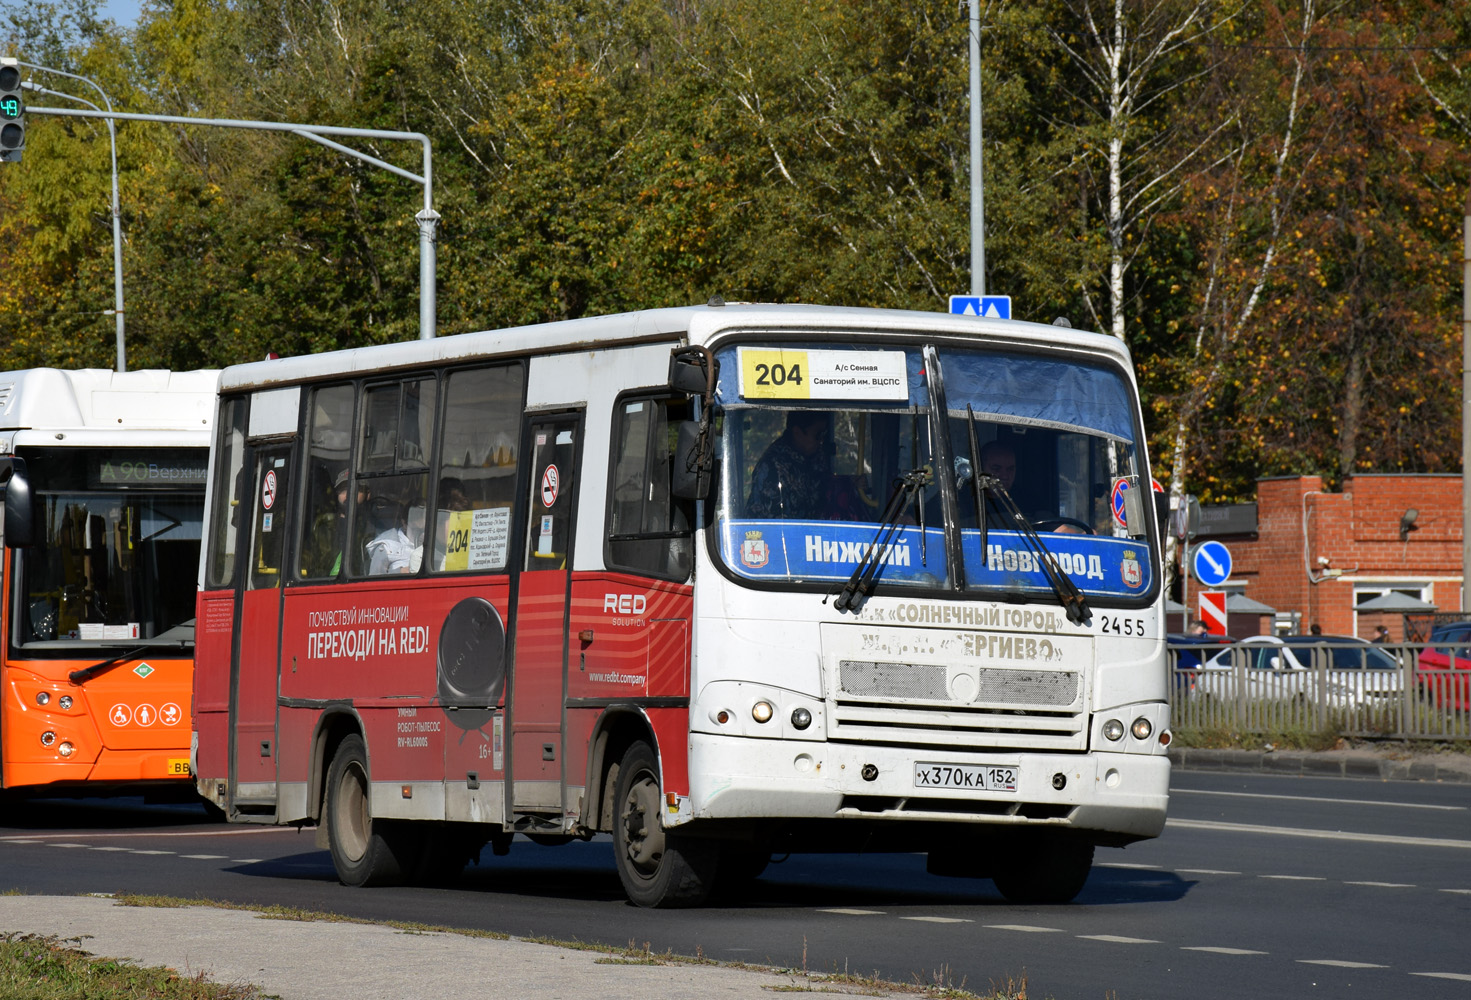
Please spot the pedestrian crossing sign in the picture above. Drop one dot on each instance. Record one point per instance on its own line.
(984, 306)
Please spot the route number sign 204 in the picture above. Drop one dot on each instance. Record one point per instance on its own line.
(982, 777)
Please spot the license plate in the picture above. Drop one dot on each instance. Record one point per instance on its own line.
(978, 777)
(179, 765)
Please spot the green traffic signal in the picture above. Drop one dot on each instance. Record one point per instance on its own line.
(12, 112)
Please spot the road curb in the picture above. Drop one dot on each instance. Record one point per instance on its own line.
(1322, 765)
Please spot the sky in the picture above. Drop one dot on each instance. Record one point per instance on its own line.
(124, 12)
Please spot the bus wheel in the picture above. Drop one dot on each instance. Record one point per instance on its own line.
(362, 851)
(657, 867)
(1052, 872)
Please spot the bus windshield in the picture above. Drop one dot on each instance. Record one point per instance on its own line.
(815, 437)
(109, 568)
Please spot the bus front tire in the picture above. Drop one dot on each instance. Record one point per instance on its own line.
(1049, 873)
(658, 868)
(364, 852)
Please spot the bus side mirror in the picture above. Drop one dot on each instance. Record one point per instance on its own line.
(693, 371)
(689, 478)
(19, 515)
(1162, 516)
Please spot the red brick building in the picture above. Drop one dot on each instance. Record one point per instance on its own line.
(1324, 554)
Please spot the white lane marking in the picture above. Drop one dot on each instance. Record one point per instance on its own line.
(1386, 885)
(1288, 831)
(150, 852)
(1459, 977)
(1116, 939)
(853, 913)
(1296, 878)
(68, 845)
(1464, 892)
(1024, 928)
(1313, 798)
(1120, 864)
(245, 861)
(1222, 951)
(21, 840)
(1205, 871)
(109, 848)
(1338, 963)
(940, 920)
(199, 857)
(244, 831)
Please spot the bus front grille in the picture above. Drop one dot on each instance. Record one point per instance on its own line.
(926, 704)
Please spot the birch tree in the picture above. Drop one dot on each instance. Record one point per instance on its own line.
(1141, 68)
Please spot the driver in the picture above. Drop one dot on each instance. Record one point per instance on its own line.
(998, 460)
(792, 477)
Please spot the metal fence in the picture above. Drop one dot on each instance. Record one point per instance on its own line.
(1407, 690)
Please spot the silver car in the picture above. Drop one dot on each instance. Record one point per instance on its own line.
(1354, 672)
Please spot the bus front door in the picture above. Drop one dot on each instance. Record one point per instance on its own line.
(255, 682)
(538, 671)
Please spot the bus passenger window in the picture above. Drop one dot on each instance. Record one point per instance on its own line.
(394, 449)
(328, 483)
(476, 476)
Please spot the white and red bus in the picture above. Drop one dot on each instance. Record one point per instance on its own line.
(103, 475)
(710, 580)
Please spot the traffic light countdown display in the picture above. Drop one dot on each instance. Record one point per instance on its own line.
(12, 112)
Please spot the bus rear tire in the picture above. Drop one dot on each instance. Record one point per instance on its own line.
(1050, 872)
(658, 868)
(364, 852)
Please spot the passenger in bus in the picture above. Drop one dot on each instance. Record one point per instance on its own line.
(793, 477)
(392, 548)
(329, 533)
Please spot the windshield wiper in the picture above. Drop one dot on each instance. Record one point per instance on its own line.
(85, 674)
(1068, 594)
(860, 584)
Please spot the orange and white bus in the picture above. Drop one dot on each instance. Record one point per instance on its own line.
(709, 580)
(103, 476)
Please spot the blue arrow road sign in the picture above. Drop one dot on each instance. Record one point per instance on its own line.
(985, 306)
(1212, 563)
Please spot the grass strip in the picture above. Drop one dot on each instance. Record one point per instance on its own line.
(33, 967)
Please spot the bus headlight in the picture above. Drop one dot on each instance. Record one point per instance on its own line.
(65, 701)
(762, 711)
(1141, 728)
(43, 698)
(65, 749)
(48, 738)
(1113, 730)
(801, 718)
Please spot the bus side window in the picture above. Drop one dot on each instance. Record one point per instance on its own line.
(649, 529)
(329, 483)
(392, 481)
(476, 476)
(225, 519)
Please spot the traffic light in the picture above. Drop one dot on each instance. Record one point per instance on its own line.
(12, 112)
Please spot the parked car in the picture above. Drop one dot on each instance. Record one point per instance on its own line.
(1444, 667)
(1357, 672)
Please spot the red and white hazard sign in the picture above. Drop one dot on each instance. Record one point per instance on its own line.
(1213, 611)
(549, 480)
(268, 490)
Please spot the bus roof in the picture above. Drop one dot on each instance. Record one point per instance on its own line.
(88, 404)
(697, 324)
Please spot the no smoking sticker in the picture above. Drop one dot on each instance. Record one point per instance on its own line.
(549, 480)
(268, 490)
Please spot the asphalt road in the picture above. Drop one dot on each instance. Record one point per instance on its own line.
(1261, 886)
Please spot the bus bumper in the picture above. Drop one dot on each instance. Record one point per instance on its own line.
(1118, 796)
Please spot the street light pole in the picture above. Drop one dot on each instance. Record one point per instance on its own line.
(427, 219)
(117, 226)
(977, 188)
